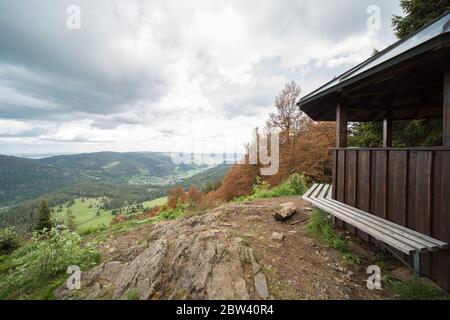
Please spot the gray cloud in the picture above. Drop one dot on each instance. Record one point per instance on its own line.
(157, 64)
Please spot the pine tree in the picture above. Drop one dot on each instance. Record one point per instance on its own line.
(45, 217)
(418, 14)
(71, 220)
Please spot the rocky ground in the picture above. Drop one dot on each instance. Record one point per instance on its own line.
(238, 251)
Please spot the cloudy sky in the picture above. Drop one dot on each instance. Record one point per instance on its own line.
(165, 75)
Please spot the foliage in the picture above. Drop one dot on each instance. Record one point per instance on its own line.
(366, 135)
(211, 186)
(45, 218)
(408, 133)
(296, 183)
(170, 213)
(208, 180)
(418, 14)
(44, 259)
(321, 228)
(415, 290)
(177, 195)
(294, 186)
(9, 240)
(238, 182)
(194, 195)
(23, 179)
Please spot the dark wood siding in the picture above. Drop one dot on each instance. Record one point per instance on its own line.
(409, 187)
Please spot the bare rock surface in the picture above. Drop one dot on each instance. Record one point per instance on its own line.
(226, 253)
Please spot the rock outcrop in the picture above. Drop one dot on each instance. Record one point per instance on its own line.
(195, 258)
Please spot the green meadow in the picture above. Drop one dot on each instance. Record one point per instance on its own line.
(85, 213)
(157, 202)
(88, 213)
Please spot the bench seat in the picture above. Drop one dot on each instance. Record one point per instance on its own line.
(407, 241)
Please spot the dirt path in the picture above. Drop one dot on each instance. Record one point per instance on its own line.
(300, 267)
(227, 253)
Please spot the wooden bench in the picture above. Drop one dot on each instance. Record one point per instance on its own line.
(399, 237)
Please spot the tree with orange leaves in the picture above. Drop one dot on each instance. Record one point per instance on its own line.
(177, 195)
(194, 195)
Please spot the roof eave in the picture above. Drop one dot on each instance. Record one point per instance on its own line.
(436, 43)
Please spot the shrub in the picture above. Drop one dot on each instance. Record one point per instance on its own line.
(46, 258)
(172, 214)
(9, 241)
(297, 183)
(177, 195)
(294, 186)
(194, 196)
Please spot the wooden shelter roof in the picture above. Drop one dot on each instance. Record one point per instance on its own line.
(406, 78)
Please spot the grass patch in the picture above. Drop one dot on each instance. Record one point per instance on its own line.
(294, 186)
(321, 228)
(153, 203)
(87, 213)
(415, 290)
(133, 295)
(381, 260)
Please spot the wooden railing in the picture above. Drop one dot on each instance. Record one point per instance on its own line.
(410, 187)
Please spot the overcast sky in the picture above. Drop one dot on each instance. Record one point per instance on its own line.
(166, 75)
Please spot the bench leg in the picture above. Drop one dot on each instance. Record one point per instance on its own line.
(417, 264)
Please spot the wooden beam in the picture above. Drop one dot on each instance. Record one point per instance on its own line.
(446, 133)
(341, 124)
(387, 129)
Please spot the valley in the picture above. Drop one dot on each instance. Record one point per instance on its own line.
(118, 179)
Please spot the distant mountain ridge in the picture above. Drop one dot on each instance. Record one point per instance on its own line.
(116, 167)
(23, 179)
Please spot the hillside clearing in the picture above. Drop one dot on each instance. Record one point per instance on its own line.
(85, 213)
(157, 202)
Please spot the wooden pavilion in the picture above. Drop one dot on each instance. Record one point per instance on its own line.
(396, 197)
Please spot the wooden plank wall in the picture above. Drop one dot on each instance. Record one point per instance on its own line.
(408, 187)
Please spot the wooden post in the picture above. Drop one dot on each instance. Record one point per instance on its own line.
(446, 120)
(341, 124)
(387, 129)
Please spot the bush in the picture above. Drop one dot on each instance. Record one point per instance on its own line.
(294, 186)
(9, 241)
(171, 214)
(297, 183)
(46, 258)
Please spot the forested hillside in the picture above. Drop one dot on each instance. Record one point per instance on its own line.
(207, 179)
(22, 179)
(114, 195)
(129, 167)
(24, 215)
